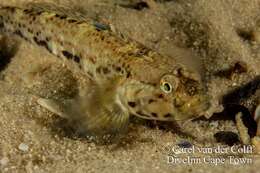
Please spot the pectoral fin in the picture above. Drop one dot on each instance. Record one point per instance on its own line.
(107, 121)
(56, 107)
(96, 112)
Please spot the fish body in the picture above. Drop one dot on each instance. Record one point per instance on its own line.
(151, 86)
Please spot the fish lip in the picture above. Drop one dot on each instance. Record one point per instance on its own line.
(193, 111)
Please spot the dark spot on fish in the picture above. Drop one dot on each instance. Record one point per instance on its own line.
(151, 101)
(128, 66)
(98, 70)
(131, 104)
(35, 39)
(76, 59)
(61, 16)
(39, 13)
(128, 74)
(12, 9)
(160, 96)
(124, 64)
(30, 30)
(26, 11)
(118, 69)
(154, 114)
(167, 115)
(19, 33)
(41, 43)
(67, 54)
(105, 70)
(72, 21)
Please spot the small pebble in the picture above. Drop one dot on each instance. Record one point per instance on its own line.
(23, 147)
(4, 161)
(184, 144)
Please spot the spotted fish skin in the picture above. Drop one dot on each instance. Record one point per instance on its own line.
(155, 86)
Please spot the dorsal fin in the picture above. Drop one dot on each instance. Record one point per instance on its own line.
(69, 12)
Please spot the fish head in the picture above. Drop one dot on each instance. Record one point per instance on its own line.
(175, 96)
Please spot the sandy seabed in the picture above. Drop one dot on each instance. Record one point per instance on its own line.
(220, 35)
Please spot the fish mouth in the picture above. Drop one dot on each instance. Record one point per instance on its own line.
(193, 108)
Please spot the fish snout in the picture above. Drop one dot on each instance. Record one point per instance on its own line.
(191, 108)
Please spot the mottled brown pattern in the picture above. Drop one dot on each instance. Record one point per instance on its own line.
(106, 55)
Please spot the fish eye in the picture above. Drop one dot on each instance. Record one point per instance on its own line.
(166, 87)
(169, 83)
